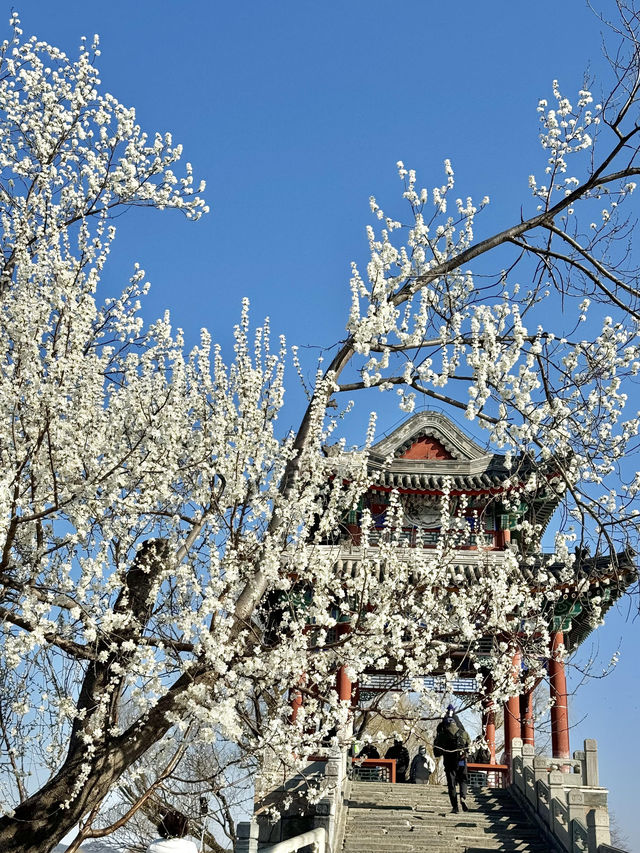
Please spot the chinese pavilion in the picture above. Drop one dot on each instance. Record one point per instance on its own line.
(428, 450)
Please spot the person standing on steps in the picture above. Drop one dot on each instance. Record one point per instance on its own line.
(401, 754)
(452, 743)
(422, 767)
(369, 751)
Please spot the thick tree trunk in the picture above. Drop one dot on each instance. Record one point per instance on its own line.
(41, 822)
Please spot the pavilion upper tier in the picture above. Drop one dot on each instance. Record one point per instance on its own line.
(428, 455)
(493, 502)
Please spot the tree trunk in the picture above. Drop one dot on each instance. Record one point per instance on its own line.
(43, 820)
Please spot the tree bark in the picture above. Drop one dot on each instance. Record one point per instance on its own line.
(39, 823)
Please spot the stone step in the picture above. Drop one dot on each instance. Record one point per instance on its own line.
(357, 788)
(426, 838)
(364, 844)
(377, 844)
(418, 791)
(475, 818)
(392, 796)
(478, 836)
(427, 815)
(371, 842)
(525, 833)
(417, 818)
(478, 813)
(390, 809)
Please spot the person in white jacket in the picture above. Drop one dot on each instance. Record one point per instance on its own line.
(172, 829)
(422, 767)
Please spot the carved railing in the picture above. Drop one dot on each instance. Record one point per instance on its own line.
(413, 538)
(327, 817)
(373, 770)
(248, 841)
(564, 797)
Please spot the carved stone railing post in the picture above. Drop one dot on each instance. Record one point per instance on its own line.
(578, 755)
(247, 840)
(527, 754)
(540, 769)
(591, 763)
(557, 808)
(517, 768)
(575, 805)
(325, 817)
(329, 812)
(556, 789)
(528, 778)
(543, 804)
(598, 828)
(334, 772)
(578, 837)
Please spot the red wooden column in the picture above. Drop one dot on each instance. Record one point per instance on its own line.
(526, 714)
(558, 691)
(295, 701)
(489, 726)
(503, 539)
(512, 723)
(343, 685)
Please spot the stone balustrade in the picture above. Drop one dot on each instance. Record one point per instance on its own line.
(563, 796)
(327, 814)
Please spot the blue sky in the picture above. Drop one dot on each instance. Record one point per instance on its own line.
(295, 112)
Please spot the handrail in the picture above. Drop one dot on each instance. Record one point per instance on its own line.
(317, 837)
(387, 765)
(488, 768)
(497, 774)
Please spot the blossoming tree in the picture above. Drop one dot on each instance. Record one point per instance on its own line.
(151, 515)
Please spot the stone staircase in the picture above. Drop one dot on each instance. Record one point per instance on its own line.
(383, 818)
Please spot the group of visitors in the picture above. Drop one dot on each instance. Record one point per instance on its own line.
(451, 743)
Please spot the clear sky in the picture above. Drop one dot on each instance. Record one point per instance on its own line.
(295, 112)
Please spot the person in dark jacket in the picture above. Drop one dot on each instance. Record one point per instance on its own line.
(422, 767)
(401, 754)
(369, 751)
(452, 743)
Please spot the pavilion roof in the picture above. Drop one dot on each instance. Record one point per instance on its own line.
(428, 447)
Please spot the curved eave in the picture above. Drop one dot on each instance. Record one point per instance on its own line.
(588, 620)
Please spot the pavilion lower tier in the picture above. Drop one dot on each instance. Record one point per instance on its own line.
(518, 710)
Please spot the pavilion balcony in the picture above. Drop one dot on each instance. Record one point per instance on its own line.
(413, 538)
